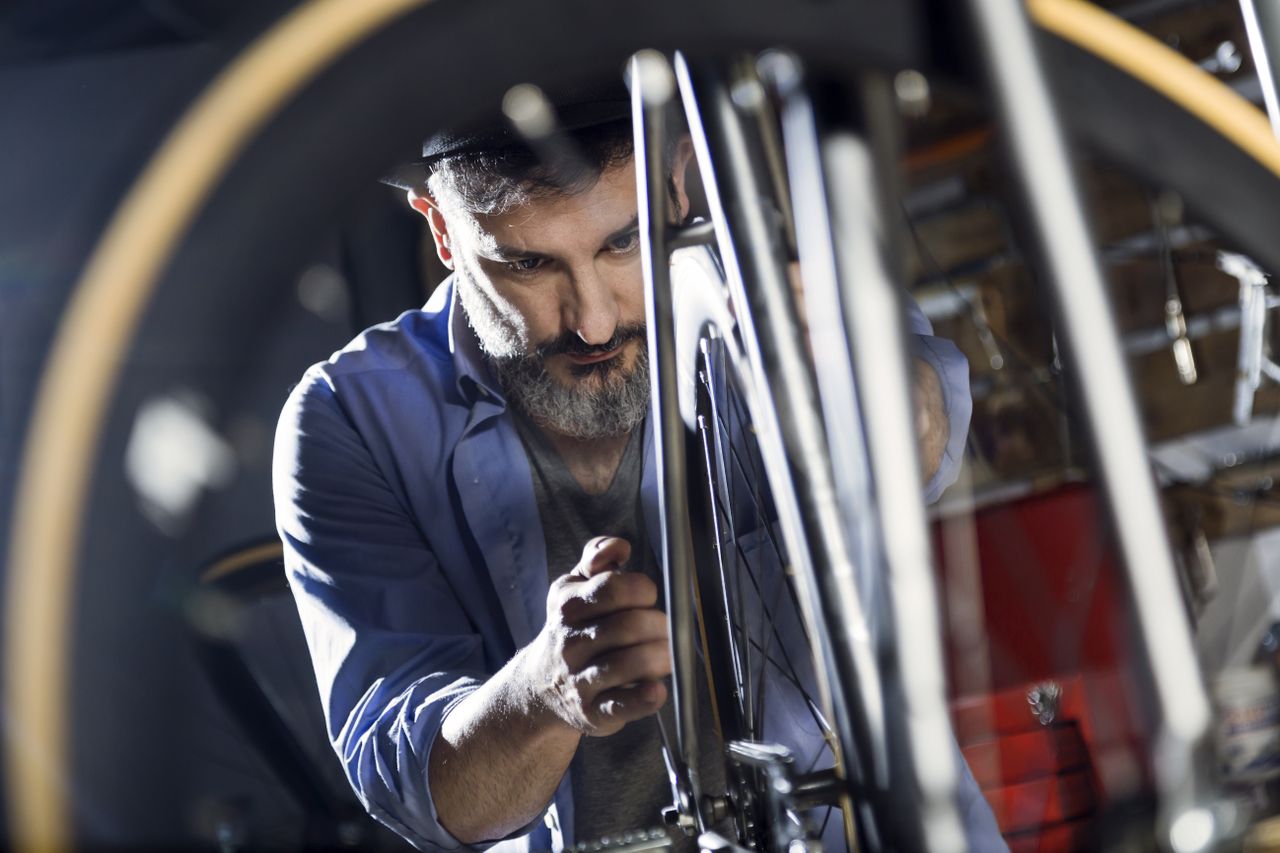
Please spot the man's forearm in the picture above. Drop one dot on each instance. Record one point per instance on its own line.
(933, 427)
(498, 758)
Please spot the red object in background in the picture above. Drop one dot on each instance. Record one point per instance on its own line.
(1040, 802)
(1052, 592)
(1051, 607)
(1027, 756)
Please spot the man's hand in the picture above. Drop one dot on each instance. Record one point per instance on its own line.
(595, 666)
(603, 651)
(933, 428)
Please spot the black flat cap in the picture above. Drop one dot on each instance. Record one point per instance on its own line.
(571, 109)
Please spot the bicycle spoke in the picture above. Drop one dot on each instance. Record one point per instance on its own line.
(750, 473)
(720, 483)
(789, 670)
(814, 711)
(825, 821)
(754, 476)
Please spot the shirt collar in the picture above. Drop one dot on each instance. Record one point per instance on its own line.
(475, 381)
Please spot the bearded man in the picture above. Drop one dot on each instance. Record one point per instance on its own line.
(465, 496)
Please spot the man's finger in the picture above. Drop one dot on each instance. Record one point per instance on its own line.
(621, 667)
(608, 592)
(613, 709)
(602, 554)
(614, 631)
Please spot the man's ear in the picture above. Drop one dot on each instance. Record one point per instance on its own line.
(679, 172)
(428, 207)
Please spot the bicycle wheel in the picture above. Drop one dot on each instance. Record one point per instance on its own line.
(758, 657)
(1173, 166)
(877, 710)
(766, 687)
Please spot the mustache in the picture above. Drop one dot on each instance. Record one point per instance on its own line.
(570, 344)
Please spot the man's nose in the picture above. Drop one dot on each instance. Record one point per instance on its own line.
(594, 310)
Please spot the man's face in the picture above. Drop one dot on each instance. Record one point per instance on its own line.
(558, 277)
(554, 290)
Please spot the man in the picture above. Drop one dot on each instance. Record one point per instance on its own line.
(464, 495)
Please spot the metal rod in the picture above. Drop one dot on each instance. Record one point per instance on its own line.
(1262, 24)
(1088, 334)
(855, 308)
(1175, 320)
(788, 419)
(1253, 324)
(820, 788)
(652, 94)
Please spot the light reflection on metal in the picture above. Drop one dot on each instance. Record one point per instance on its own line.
(1252, 362)
(1045, 699)
(1166, 212)
(1225, 59)
(1153, 339)
(1192, 831)
(1184, 360)
(1204, 572)
(1262, 24)
(911, 88)
(827, 335)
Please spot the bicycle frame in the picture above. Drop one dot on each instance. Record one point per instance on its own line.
(793, 440)
(876, 519)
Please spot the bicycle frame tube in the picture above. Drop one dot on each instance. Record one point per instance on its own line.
(1068, 260)
(855, 307)
(652, 91)
(793, 438)
(1262, 24)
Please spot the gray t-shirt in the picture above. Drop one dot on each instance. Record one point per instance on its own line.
(620, 781)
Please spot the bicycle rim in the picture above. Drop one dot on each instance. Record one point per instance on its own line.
(758, 660)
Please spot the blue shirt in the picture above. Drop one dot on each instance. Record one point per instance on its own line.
(415, 551)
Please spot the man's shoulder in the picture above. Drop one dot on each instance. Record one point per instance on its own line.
(420, 335)
(401, 364)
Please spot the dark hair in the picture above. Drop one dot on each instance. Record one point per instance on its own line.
(493, 182)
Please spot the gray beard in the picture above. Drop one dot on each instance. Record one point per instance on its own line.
(604, 403)
(607, 404)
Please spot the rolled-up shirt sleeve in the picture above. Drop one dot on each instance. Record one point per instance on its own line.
(953, 377)
(392, 649)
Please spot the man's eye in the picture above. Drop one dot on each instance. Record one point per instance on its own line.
(524, 264)
(625, 243)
